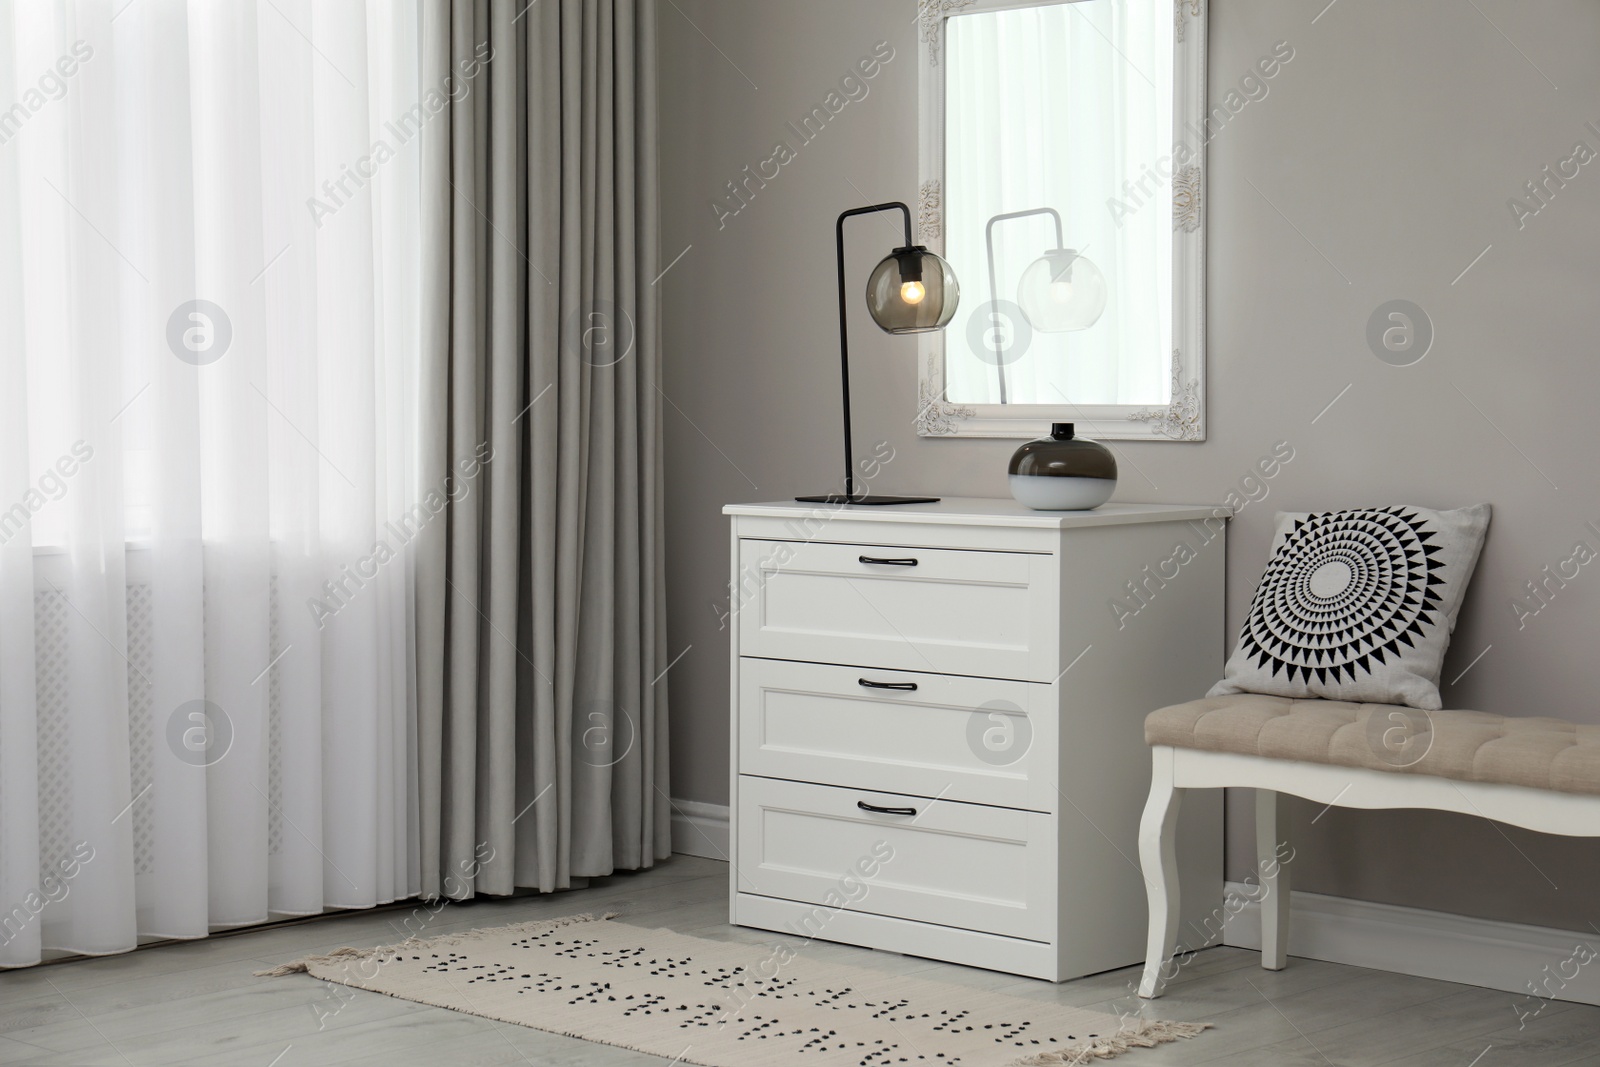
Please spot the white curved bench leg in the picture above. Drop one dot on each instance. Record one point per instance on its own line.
(1272, 856)
(1158, 857)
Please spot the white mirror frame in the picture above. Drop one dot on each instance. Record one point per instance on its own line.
(1183, 419)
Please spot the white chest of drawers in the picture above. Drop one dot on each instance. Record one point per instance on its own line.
(937, 728)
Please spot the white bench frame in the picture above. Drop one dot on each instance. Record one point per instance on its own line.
(1177, 770)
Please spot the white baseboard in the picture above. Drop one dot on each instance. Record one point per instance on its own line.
(700, 829)
(1429, 944)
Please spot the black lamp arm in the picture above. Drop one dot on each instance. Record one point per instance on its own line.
(994, 296)
(893, 205)
(844, 332)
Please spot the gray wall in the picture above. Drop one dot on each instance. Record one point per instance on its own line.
(1378, 167)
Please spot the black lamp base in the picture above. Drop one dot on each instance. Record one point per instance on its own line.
(840, 498)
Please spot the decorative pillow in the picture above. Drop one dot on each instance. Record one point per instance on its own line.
(1358, 605)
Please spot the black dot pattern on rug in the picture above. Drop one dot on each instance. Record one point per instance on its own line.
(633, 988)
(950, 1021)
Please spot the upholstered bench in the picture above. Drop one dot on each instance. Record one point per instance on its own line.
(1543, 774)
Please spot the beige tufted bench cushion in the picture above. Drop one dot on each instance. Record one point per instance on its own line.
(1469, 746)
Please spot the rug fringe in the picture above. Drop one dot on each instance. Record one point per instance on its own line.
(1148, 1034)
(303, 965)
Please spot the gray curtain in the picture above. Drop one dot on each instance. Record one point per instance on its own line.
(541, 725)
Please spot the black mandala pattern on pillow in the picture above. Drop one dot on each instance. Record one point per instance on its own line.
(1344, 592)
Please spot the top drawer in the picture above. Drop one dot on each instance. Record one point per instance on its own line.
(944, 611)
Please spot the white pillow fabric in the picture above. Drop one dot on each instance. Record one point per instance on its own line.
(1358, 605)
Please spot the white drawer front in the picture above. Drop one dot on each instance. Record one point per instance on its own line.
(990, 614)
(974, 739)
(961, 865)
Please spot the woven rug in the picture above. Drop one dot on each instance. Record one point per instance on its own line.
(726, 1005)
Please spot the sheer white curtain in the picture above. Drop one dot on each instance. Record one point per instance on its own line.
(1069, 106)
(208, 330)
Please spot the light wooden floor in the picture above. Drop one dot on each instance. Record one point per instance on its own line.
(197, 1002)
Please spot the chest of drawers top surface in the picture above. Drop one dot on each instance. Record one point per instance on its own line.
(980, 511)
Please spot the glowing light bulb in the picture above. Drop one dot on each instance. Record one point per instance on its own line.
(912, 292)
(1061, 292)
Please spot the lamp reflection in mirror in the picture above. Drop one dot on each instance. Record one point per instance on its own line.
(911, 290)
(1061, 291)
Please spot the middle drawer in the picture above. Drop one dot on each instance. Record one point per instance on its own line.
(980, 740)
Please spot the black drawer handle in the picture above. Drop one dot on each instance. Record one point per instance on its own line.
(889, 562)
(864, 806)
(904, 687)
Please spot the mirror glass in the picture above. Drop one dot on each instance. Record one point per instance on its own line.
(1066, 107)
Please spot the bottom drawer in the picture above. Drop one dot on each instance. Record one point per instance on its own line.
(962, 865)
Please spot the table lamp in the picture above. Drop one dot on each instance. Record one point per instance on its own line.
(911, 290)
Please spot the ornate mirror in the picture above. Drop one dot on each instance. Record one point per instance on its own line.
(1062, 155)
